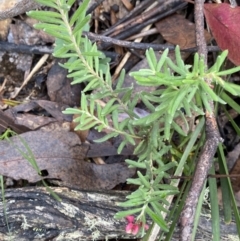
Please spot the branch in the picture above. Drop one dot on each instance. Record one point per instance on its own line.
(213, 138)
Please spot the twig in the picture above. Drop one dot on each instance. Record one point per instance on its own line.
(213, 138)
(26, 49)
(36, 49)
(144, 33)
(137, 10)
(35, 69)
(142, 46)
(135, 22)
(158, 13)
(128, 54)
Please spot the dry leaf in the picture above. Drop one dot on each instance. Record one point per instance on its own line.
(53, 108)
(177, 30)
(59, 86)
(32, 122)
(8, 122)
(61, 155)
(223, 21)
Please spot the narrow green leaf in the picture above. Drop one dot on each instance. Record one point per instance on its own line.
(93, 84)
(220, 59)
(191, 95)
(198, 211)
(80, 25)
(130, 139)
(72, 111)
(70, 3)
(142, 72)
(115, 118)
(127, 96)
(162, 224)
(158, 208)
(179, 60)
(178, 129)
(121, 146)
(134, 181)
(162, 60)
(230, 88)
(214, 206)
(136, 164)
(143, 180)
(56, 34)
(167, 126)
(202, 66)
(205, 101)
(149, 105)
(186, 107)
(81, 11)
(89, 125)
(145, 81)
(148, 119)
(136, 194)
(151, 59)
(176, 103)
(78, 80)
(46, 16)
(195, 63)
(211, 93)
(141, 147)
(228, 72)
(226, 193)
(230, 102)
(47, 3)
(234, 204)
(174, 67)
(124, 214)
(132, 203)
(106, 108)
(77, 74)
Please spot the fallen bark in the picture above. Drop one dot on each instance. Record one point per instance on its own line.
(33, 214)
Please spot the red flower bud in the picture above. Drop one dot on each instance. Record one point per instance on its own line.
(129, 228)
(135, 229)
(130, 218)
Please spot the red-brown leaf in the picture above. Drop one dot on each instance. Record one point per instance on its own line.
(223, 21)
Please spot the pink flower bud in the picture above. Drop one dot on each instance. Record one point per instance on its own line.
(129, 228)
(130, 218)
(146, 227)
(135, 229)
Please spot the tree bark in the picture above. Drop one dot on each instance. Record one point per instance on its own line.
(33, 214)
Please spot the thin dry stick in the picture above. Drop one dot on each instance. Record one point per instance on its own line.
(128, 54)
(131, 45)
(3, 85)
(137, 10)
(35, 69)
(143, 34)
(213, 138)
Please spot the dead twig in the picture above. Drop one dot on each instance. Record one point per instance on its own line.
(137, 10)
(213, 138)
(152, 16)
(40, 63)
